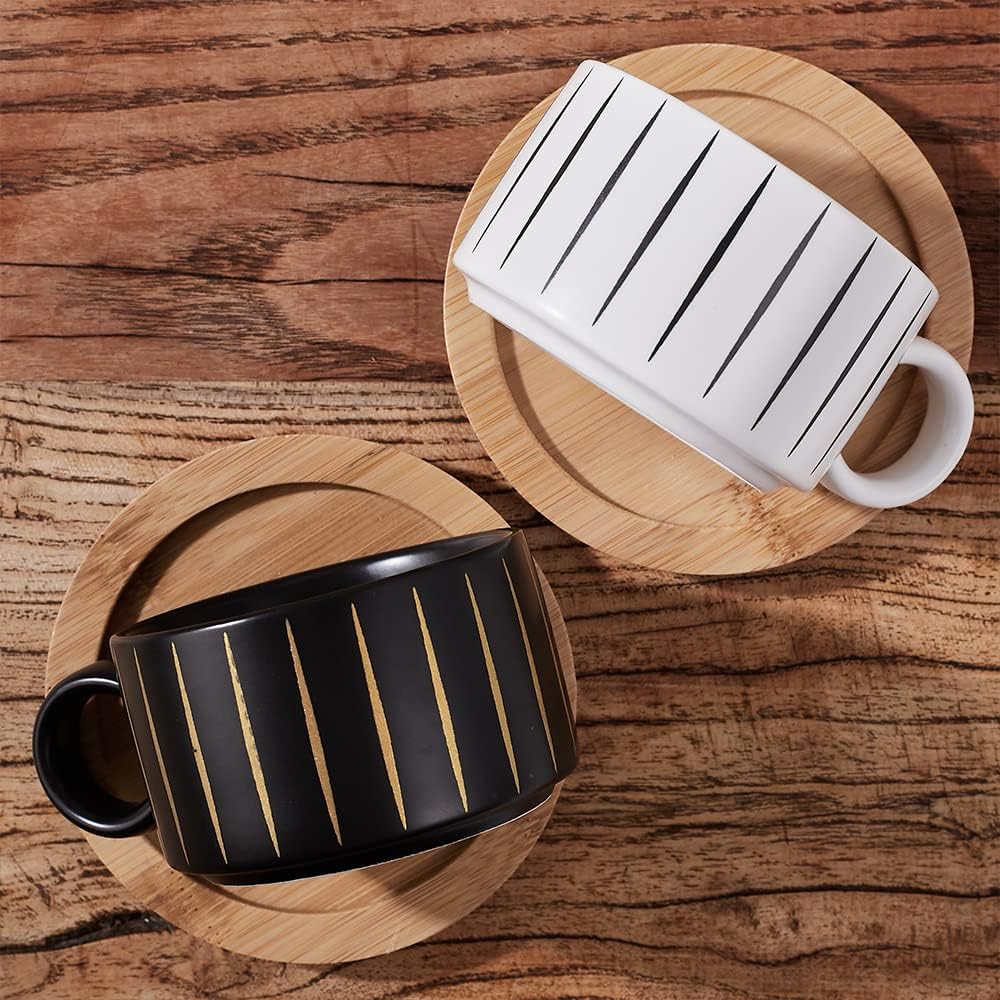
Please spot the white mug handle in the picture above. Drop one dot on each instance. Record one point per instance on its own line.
(943, 437)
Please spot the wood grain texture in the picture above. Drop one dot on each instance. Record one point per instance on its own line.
(790, 780)
(268, 189)
(789, 783)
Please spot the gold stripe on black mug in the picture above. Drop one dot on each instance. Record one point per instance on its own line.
(491, 670)
(251, 745)
(159, 756)
(199, 759)
(381, 723)
(315, 741)
(441, 697)
(531, 663)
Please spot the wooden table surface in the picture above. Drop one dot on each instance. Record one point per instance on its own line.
(227, 219)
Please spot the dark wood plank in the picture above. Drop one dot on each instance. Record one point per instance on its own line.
(271, 187)
(789, 780)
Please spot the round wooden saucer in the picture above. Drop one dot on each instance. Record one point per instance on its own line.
(244, 514)
(616, 481)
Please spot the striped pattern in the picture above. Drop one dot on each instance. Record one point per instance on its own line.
(656, 225)
(602, 197)
(872, 383)
(563, 167)
(381, 723)
(852, 361)
(531, 664)
(769, 297)
(312, 728)
(717, 179)
(530, 160)
(713, 261)
(159, 757)
(561, 680)
(380, 720)
(817, 330)
(199, 757)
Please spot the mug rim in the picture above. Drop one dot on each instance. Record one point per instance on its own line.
(162, 626)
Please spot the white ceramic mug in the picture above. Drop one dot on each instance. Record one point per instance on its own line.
(713, 290)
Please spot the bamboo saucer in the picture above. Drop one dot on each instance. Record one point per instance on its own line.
(616, 481)
(240, 515)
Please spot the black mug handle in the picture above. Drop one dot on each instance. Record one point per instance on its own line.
(64, 775)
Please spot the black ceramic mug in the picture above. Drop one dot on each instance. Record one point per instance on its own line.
(329, 720)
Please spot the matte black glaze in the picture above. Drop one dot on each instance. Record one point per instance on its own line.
(336, 718)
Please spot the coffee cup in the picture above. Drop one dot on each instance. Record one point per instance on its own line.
(329, 720)
(713, 290)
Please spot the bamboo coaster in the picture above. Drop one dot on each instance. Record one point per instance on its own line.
(616, 481)
(238, 516)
